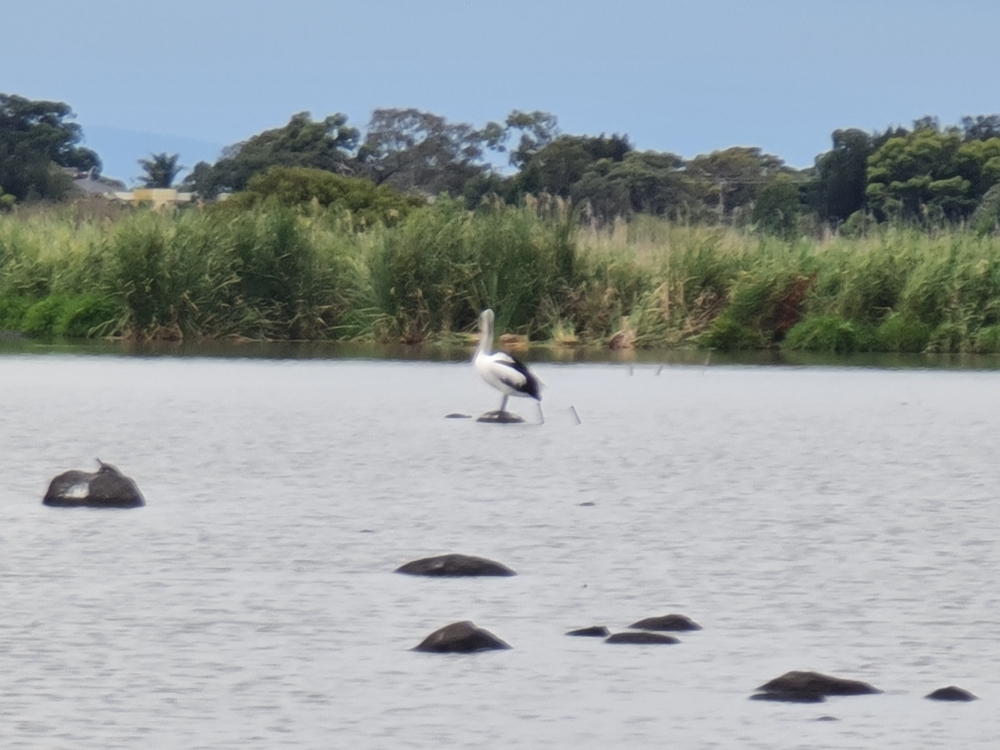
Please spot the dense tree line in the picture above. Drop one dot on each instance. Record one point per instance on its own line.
(923, 174)
(38, 142)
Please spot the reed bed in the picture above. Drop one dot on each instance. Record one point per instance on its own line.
(272, 273)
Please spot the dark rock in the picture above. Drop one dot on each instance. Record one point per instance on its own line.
(458, 416)
(641, 638)
(500, 417)
(460, 638)
(595, 631)
(667, 622)
(827, 718)
(587, 504)
(951, 693)
(455, 566)
(814, 683)
(105, 488)
(789, 697)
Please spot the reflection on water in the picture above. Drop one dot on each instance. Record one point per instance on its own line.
(836, 519)
(227, 348)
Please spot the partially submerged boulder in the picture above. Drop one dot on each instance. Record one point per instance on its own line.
(951, 693)
(666, 622)
(594, 631)
(810, 687)
(455, 566)
(790, 697)
(460, 638)
(105, 488)
(642, 638)
(500, 417)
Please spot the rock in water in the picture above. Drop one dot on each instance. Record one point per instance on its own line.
(594, 631)
(500, 417)
(642, 638)
(455, 566)
(666, 622)
(790, 697)
(105, 488)
(951, 693)
(460, 638)
(799, 687)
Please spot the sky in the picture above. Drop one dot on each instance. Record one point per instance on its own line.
(689, 77)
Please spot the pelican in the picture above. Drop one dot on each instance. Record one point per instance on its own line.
(503, 371)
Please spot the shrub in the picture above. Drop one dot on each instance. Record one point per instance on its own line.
(902, 334)
(988, 340)
(829, 333)
(727, 335)
(302, 187)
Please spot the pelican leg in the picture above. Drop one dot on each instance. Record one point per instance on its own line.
(503, 403)
(541, 417)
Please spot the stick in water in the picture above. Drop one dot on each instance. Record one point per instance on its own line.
(576, 416)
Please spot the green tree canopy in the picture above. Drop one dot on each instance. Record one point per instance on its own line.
(326, 144)
(36, 140)
(738, 175)
(647, 182)
(161, 170)
(303, 187)
(931, 174)
(558, 165)
(839, 185)
(417, 151)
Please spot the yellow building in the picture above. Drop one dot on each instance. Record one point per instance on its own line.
(155, 197)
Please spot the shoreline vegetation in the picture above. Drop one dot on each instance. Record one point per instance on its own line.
(419, 274)
(403, 233)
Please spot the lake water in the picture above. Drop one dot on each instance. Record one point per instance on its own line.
(838, 519)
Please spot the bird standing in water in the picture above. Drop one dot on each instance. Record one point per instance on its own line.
(503, 371)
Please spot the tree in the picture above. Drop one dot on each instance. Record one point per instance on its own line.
(931, 174)
(160, 170)
(326, 145)
(302, 188)
(557, 166)
(838, 188)
(642, 182)
(36, 143)
(738, 174)
(778, 207)
(981, 127)
(420, 151)
(538, 129)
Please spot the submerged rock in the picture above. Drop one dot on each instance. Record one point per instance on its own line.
(455, 415)
(460, 638)
(666, 622)
(806, 687)
(455, 566)
(790, 697)
(105, 488)
(951, 693)
(595, 631)
(642, 638)
(500, 417)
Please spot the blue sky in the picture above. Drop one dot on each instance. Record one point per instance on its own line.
(688, 77)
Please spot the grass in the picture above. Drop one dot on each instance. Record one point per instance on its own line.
(271, 273)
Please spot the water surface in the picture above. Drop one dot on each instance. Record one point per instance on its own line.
(836, 519)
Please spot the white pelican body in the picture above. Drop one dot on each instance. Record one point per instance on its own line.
(506, 373)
